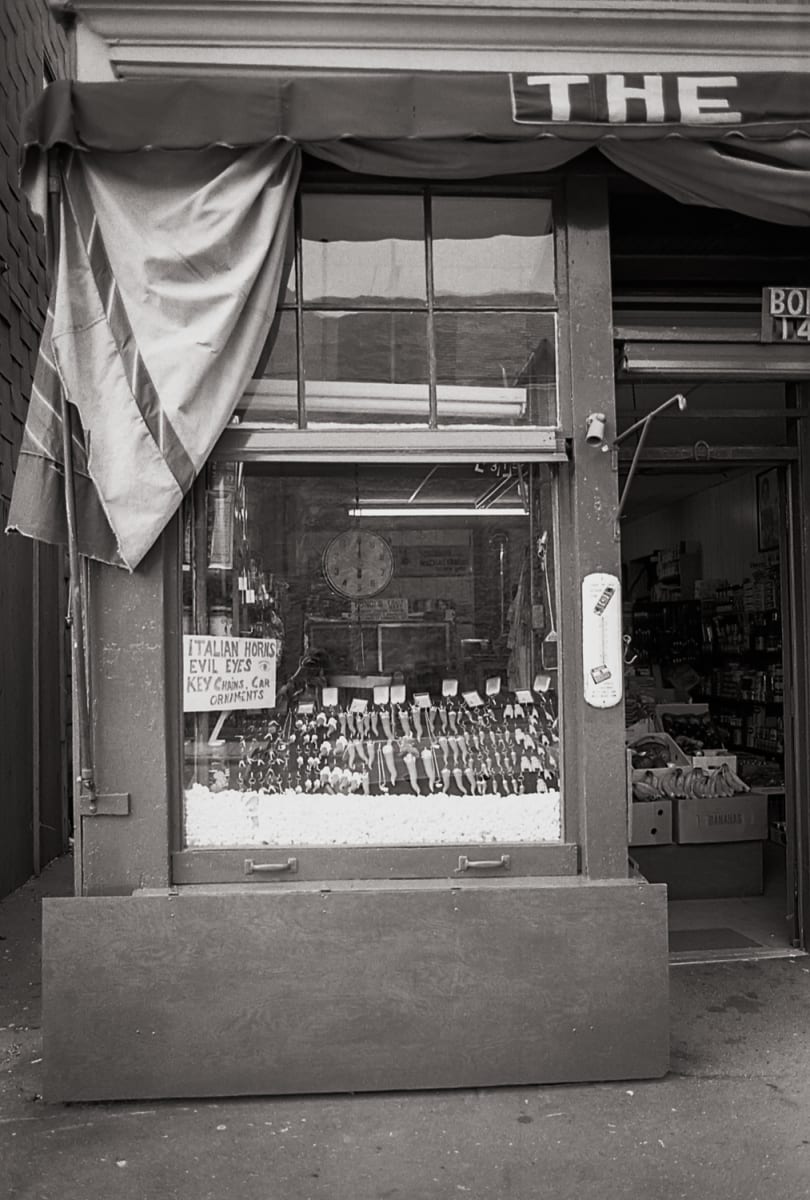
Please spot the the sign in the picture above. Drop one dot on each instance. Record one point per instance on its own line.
(228, 672)
(640, 99)
(786, 314)
(602, 647)
(383, 608)
(435, 558)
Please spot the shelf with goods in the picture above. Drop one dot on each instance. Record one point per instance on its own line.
(666, 631)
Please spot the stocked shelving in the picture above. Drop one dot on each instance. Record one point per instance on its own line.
(728, 637)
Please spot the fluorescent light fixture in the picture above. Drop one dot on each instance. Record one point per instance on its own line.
(420, 510)
(271, 398)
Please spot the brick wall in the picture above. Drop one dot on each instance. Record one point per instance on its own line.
(29, 39)
(28, 36)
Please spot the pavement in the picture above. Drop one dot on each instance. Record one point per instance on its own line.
(731, 1121)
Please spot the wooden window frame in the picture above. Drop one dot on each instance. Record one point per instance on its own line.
(593, 791)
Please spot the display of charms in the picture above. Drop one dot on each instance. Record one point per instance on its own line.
(498, 747)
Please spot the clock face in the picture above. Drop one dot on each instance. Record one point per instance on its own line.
(358, 563)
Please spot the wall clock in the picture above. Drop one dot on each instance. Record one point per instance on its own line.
(358, 563)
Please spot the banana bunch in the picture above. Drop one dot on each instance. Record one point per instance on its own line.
(682, 782)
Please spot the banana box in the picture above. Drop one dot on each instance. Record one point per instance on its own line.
(741, 818)
(650, 823)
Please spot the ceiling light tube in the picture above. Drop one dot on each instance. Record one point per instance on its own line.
(270, 397)
(417, 511)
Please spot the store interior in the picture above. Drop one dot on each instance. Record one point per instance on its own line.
(407, 616)
(703, 564)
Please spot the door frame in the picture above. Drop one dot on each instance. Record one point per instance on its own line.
(793, 461)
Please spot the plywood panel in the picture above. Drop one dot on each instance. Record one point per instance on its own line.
(382, 987)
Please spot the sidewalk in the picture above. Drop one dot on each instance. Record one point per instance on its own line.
(730, 1122)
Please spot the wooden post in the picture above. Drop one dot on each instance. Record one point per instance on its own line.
(594, 738)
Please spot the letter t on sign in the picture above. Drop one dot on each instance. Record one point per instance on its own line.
(559, 90)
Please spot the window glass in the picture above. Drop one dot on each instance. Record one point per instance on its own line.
(272, 395)
(492, 251)
(496, 367)
(370, 657)
(361, 250)
(366, 366)
(414, 309)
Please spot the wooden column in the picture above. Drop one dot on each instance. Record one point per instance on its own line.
(133, 625)
(594, 738)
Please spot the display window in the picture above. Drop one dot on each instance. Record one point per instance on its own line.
(417, 309)
(371, 656)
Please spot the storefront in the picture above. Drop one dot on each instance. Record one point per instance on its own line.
(356, 810)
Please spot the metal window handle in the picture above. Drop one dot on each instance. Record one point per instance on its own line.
(483, 864)
(273, 868)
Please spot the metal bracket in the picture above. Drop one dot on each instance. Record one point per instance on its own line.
(113, 804)
(643, 426)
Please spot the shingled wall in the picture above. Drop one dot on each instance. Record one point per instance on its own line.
(32, 49)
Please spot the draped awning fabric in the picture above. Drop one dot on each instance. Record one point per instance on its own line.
(175, 209)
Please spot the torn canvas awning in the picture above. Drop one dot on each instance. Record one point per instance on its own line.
(176, 203)
(167, 279)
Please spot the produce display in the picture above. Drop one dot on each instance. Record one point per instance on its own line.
(652, 751)
(695, 782)
(694, 733)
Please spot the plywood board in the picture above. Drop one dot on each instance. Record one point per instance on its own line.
(434, 985)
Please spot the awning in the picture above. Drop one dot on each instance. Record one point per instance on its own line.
(154, 349)
(333, 106)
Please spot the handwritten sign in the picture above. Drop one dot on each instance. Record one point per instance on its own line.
(228, 672)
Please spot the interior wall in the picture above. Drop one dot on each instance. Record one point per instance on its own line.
(723, 519)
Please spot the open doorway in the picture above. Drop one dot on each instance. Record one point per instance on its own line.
(708, 577)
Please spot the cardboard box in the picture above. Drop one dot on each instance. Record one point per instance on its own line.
(742, 818)
(714, 759)
(681, 710)
(704, 872)
(650, 823)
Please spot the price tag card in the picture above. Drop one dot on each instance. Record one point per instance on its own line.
(382, 693)
(473, 699)
(358, 705)
(524, 696)
(493, 685)
(421, 699)
(449, 687)
(542, 682)
(329, 697)
(306, 707)
(398, 694)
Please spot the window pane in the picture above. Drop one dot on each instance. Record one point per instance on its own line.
(371, 664)
(496, 368)
(272, 395)
(360, 251)
(366, 367)
(492, 251)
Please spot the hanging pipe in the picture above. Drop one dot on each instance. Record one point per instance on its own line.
(76, 616)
